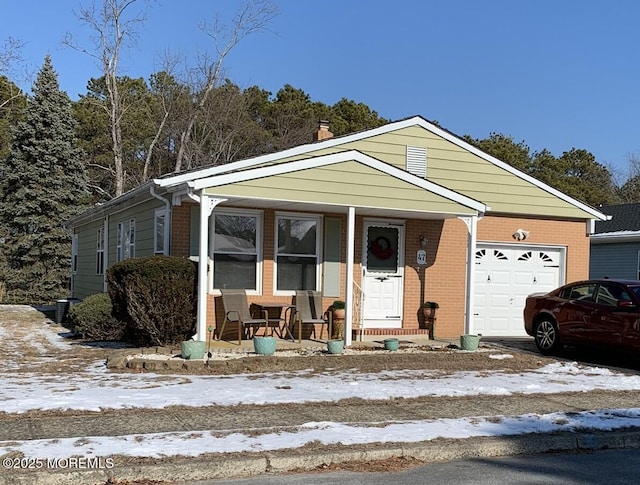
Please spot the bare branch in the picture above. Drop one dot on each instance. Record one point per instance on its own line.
(252, 17)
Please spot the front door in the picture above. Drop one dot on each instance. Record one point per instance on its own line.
(383, 274)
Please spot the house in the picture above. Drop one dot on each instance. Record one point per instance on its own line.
(383, 219)
(615, 244)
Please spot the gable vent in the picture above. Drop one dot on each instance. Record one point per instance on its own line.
(417, 161)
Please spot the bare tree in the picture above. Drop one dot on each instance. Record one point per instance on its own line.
(9, 56)
(111, 31)
(253, 16)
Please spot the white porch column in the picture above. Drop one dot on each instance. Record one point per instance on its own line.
(207, 205)
(351, 229)
(472, 228)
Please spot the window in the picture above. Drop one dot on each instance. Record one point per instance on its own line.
(74, 253)
(236, 250)
(126, 246)
(297, 253)
(100, 250)
(610, 294)
(159, 243)
(582, 292)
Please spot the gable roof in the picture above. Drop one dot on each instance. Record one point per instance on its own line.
(173, 181)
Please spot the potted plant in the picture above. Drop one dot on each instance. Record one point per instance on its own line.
(429, 309)
(338, 315)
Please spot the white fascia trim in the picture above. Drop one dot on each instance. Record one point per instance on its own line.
(505, 166)
(324, 160)
(614, 237)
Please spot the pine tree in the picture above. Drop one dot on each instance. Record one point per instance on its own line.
(43, 184)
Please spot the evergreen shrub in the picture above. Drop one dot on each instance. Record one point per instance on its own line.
(93, 319)
(156, 296)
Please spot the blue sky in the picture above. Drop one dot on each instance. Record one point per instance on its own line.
(557, 74)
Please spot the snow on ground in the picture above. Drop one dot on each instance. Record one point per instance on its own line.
(95, 388)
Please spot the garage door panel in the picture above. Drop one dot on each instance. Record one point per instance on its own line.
(505, 276)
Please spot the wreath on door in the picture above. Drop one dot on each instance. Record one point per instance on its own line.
(381, 248)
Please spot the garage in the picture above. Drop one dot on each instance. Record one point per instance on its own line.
(504, 276)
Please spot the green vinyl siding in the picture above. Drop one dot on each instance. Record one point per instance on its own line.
(144, 216)
(460, 170)
(344, 183)
(86, 282)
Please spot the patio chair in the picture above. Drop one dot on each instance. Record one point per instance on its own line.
(236, 310)
(309, 312)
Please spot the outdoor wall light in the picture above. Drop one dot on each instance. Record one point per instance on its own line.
(520, 235)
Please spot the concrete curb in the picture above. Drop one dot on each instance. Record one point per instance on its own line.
(226, 466)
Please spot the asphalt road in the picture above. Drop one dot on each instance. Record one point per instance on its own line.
(620, 467)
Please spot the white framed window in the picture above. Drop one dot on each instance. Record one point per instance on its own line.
(126, 245)
(297, 252)
(74, 253)
(159, 234)
(100, 250)
(236, 250)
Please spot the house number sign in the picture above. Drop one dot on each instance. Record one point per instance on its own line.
(421, 257)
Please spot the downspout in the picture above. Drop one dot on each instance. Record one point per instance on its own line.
(167, 222)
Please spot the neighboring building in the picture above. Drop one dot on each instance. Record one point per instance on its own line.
(394, 213)
(615, 244)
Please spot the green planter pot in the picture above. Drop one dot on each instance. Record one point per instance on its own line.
(469, 342)
(192, 349)
(335, 346)
(391, 344)
(264, 345)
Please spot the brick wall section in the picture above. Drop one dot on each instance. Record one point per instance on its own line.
(442, 279)
(571, 234)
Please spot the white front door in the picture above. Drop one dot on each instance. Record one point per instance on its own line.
(383, 274)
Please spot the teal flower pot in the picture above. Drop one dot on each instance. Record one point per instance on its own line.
(264, 345)
(391, 344)
(335, 346)
(192, 349)
(469, 342)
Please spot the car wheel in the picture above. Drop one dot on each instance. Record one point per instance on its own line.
(546, 336)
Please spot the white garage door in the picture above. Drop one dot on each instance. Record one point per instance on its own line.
(504, 276)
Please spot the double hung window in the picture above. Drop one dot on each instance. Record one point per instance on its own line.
(126, 240)
(297, 252)
(236, 246)
(100, 250)
(159, 221)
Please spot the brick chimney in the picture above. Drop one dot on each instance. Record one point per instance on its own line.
(323, 132)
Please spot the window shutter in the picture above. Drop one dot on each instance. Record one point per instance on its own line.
(417, 161)
(332, 256)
